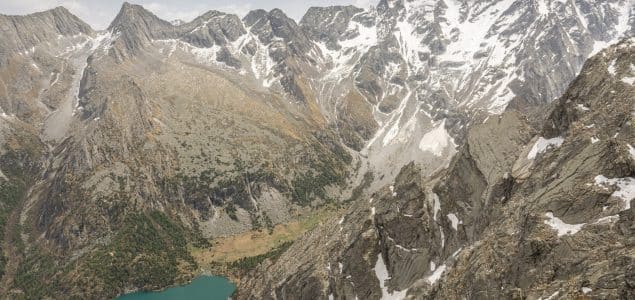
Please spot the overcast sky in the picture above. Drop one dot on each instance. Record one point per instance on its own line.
(99, 13)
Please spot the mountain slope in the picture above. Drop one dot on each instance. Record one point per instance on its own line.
(438, 66)
(171, 142)
(520, 211)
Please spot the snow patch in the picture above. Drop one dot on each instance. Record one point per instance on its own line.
(620, 28)
(582, 107)
(367, 37)
(553, 296)
(543, 144)
(607, 219)
(611, 68)
(381, 272)
(436, 205)
(436, 275)
(628, 80)
(631, 151)
(561, 227)
(625, 188)
(454, 220)
(437, 140)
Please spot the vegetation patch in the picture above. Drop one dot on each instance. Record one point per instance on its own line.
(225, 252)
(248, 263)
(11, 194)
(18, 165)
(149, 252)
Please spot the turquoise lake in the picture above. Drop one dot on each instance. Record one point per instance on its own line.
(201, 288)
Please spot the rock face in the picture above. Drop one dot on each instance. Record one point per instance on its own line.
(522, 211)
(22, 33)
(171, 132)
(136, 28)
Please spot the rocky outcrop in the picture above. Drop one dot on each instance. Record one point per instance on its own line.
(213, 28)
(329, 24)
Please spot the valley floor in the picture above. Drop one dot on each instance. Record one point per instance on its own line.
(229, 255)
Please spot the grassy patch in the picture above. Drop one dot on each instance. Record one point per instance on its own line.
(248, 263)
(227, 250)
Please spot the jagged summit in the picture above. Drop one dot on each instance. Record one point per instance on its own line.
(136, 27)
(269, 26)
(133, 18)
(328, 24)
(57, 9)
(212, 28)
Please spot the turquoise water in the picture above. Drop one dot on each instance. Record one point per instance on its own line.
(201, 288)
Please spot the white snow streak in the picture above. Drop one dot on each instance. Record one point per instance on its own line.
(454, 220)
(382, 274)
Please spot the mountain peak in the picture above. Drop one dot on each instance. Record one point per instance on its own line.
(138, 27)
(134, 13)
(60, 9)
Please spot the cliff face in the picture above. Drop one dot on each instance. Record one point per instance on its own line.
(521, 211)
